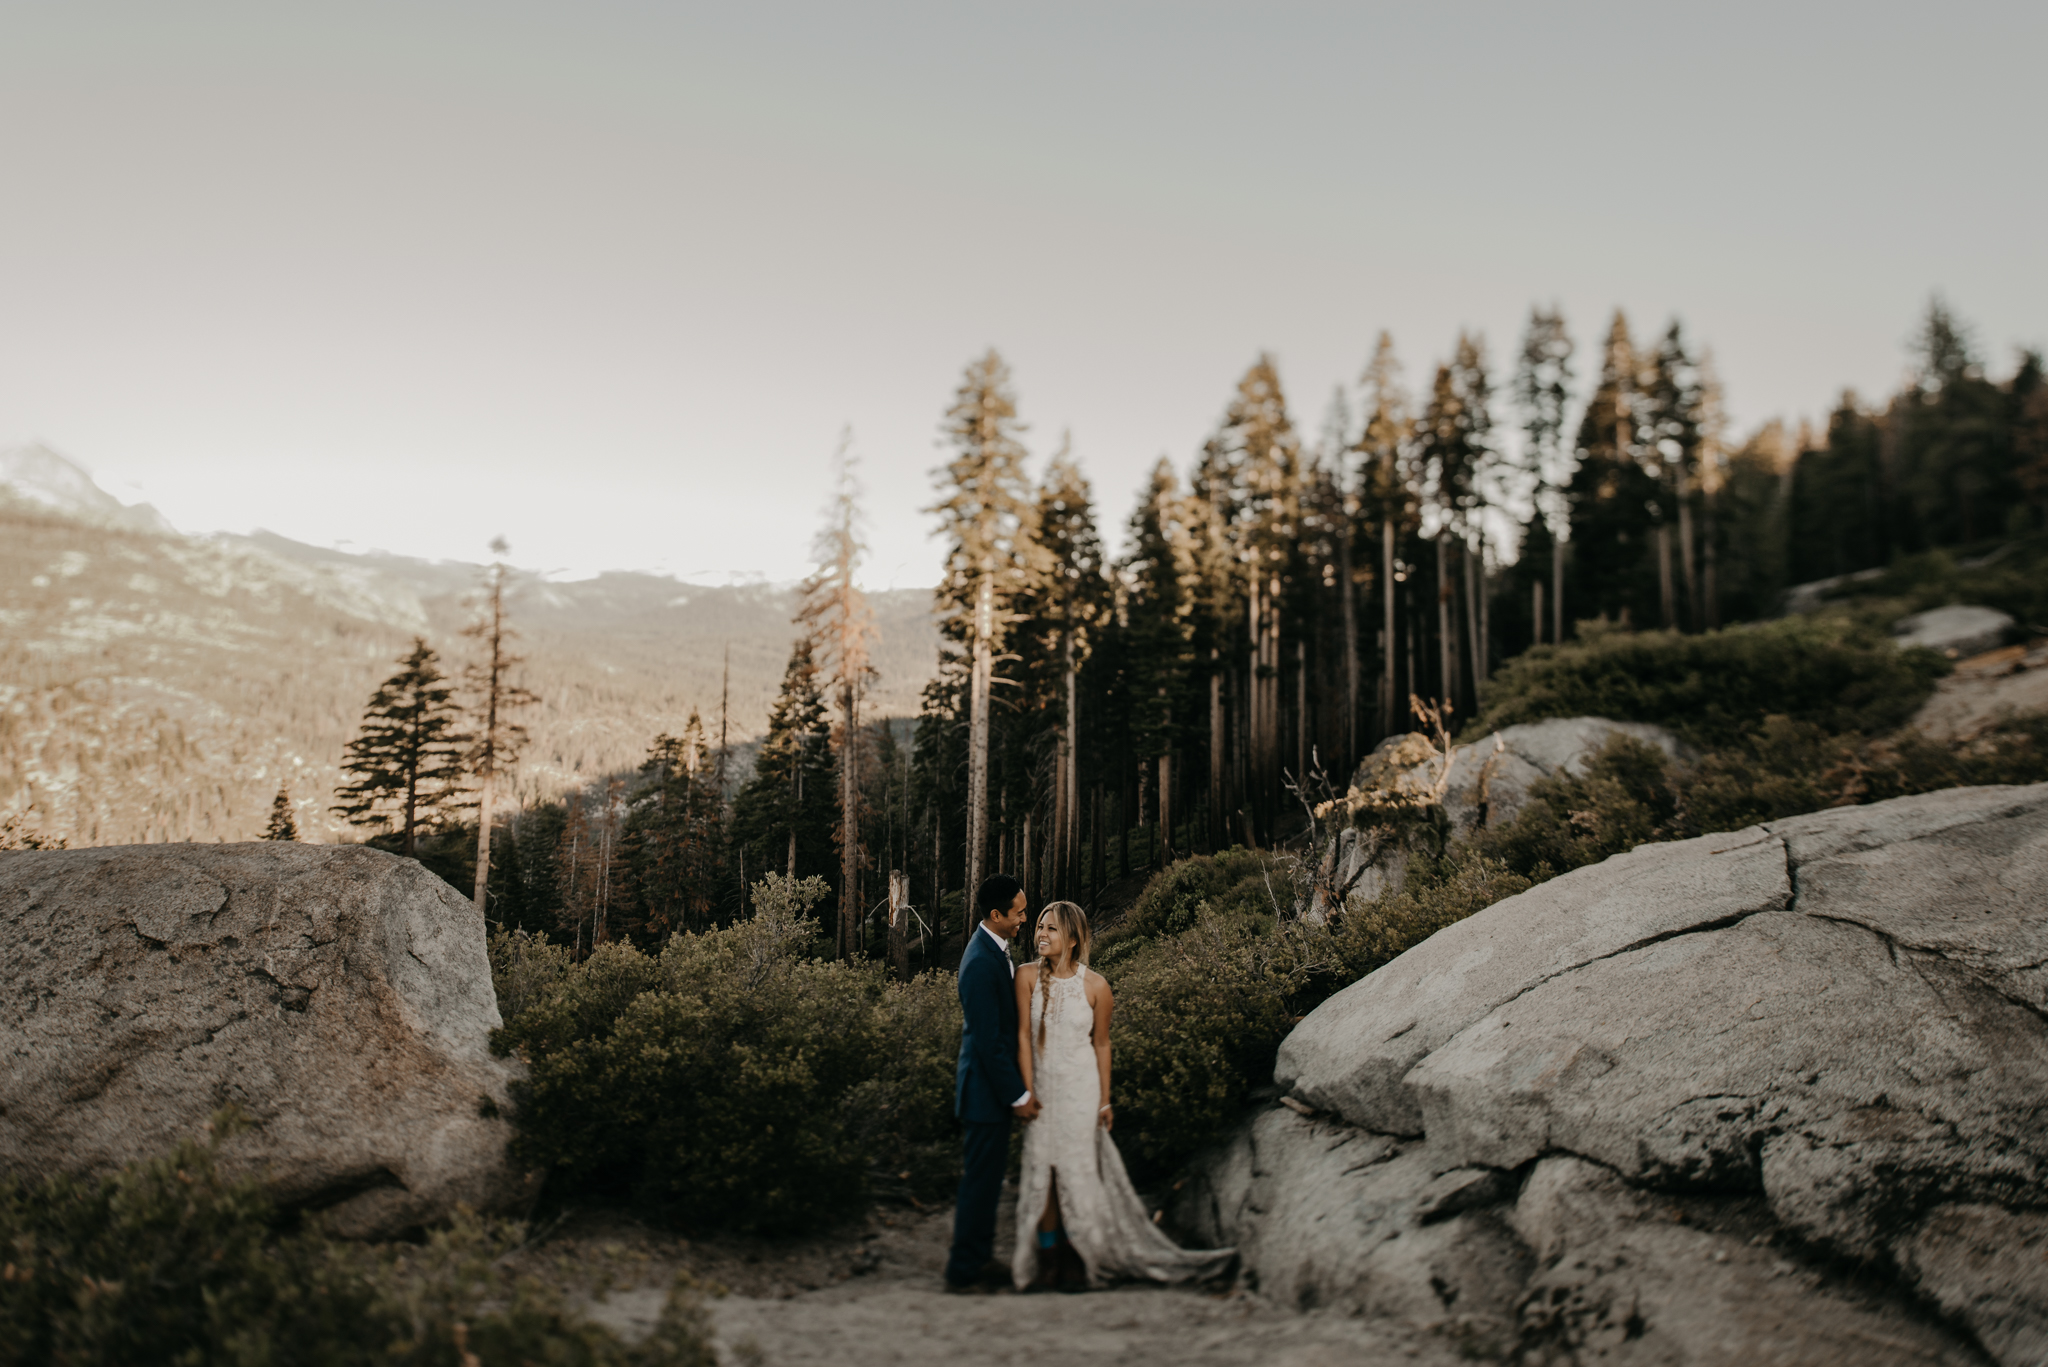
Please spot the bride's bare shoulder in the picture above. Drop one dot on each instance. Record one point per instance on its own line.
(1097, 985)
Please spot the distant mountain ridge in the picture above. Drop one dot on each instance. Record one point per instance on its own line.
(160, 686)
(38, 474)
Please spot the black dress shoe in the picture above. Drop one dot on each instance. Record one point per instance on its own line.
(1072, 1273)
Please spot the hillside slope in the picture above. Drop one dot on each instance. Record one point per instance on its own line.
(155, 686)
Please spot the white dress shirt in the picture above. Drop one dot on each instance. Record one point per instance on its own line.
(1004, 945)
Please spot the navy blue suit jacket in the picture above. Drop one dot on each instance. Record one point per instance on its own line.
(987, 1083)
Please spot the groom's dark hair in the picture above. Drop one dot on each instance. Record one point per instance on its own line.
(995, 894)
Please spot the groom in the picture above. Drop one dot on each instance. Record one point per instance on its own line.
(987, 1089)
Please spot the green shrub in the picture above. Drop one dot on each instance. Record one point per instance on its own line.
(1624, 798)
(1198, 1017)
(526, 969)
(738, 1081)
(167, 1261)
(1175, 896)
(1435, 894)
(2013, 578)
(1717, 687)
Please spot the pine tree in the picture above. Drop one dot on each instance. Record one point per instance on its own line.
(672, 838)
(1671, 443)
(1451, 448)
(1061, 612)
(1155, 650)
(283, 825)
(986, 513)
(1543, 381)
(499, 740)
(406, 763)
(835, 612)
(1388, 501)
(1250, 475)
(783, 816)
(1610, 494)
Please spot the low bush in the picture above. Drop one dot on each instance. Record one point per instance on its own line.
(1203, 1003)
(168, 1261)
(1198, 1017)
(2012, 578)
(737, 1080)
(1717, 687)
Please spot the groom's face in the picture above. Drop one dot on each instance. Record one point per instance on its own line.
(1008, 923)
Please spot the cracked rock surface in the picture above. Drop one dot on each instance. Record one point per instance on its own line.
(339, 996)
(1773, 1096)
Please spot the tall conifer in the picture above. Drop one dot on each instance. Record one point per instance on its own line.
(835, 612)
(986, 511)
(783, 817)
(1543, 380)
(406, 763)
(498, 737)
(1387, 502)
(1610, 494)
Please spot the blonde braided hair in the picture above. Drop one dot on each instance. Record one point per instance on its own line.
(1074, 922)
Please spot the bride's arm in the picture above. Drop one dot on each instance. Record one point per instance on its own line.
(1026, 976)
(1103, 1004)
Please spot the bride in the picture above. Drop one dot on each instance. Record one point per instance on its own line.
(1074, 1201)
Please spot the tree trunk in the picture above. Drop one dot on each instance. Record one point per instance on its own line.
(899, 924)
(1695, 610)
(1475, 623)
(1349, 601)
(1536, 613)
(1556, 592)
(1301, 711)
(1099, 836)
(1712, 585)
(977, 743)
(1254, 700)
(483, 837)
(1667, 598)
(1166, 807)
(1026, 865)
(1067, 882)
(1216, 754)
(849, 823)
(1446, 634)
(1389, 699)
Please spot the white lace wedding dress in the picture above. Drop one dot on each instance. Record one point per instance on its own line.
(1104, 1219)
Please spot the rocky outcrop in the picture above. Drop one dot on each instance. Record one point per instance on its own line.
(1722, 1100)
(338, 996)
(1987, 691)
(1955, 631)
(1488, 785)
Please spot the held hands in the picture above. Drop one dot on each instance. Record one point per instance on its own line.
(1028, 1110)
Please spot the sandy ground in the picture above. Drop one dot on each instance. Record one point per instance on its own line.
(871, 1293)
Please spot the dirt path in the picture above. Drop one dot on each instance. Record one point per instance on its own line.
(871, 1294)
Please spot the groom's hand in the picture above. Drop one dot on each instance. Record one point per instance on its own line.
(1028, 1110)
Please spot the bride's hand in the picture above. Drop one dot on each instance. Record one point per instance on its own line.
(1106, 1117)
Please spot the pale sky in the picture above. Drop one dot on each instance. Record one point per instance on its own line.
(610, 278)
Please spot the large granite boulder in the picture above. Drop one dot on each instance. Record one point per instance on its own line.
(1773, 1096)
(339, 996)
